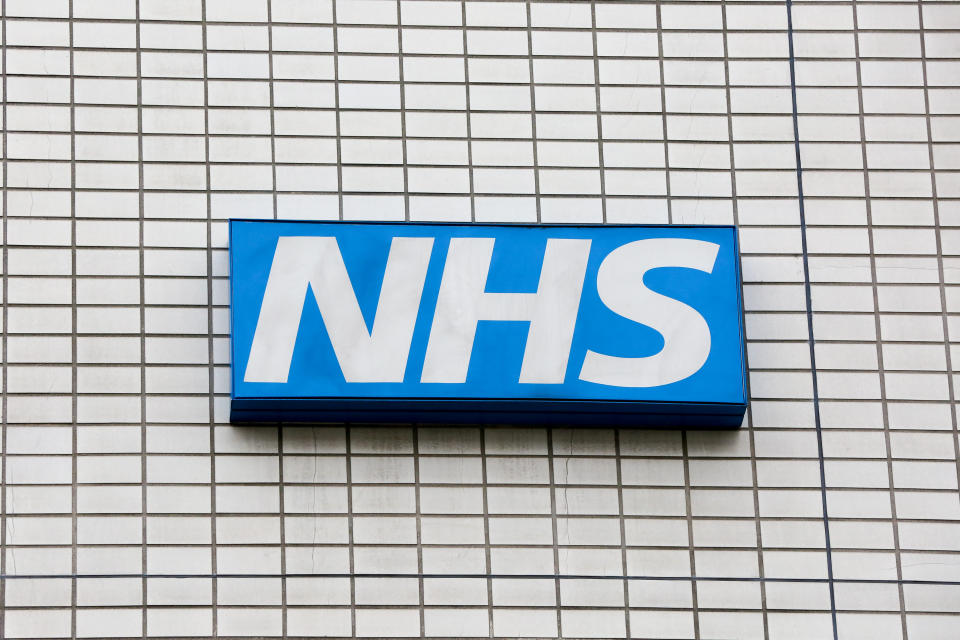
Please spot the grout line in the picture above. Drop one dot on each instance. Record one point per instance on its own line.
(551, 459)
(623, 531)
(418, 515)
(663, 116)
(488, 564)
(748, 417)
(187, 107)
(267, 163)
(603, 172)
(339, 138)
(73, 314)
(533, 116)
(941, 276)
(666, 487)
(403, 150)
(352, 576)
(480, 576)
(4, 319)
(280, 481)
(810, 330)
(281, 508)
(372, 25)
(877, 326)
(211, 406)
(144, 537)
(691, 552)
(273, 120)
(500, 194)
(468, 111)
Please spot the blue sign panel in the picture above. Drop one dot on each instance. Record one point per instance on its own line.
(478, 323)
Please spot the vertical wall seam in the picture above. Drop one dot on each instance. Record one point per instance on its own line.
(211, 405)
(688, 506)
(143, 335)
(941, 276)
(533, 112)
(282, 523)
(418, 519)
(663, 116)
(273, 120)
(552, 479)
(73, 320)
(486, 530)
(336, 108)
(748, 416)
(467, 114)
(4, 311)
(885, 415)
(618, 460)
(403, 124)
(596, 86)
(348, 452)
(347, 443)
(809, 309)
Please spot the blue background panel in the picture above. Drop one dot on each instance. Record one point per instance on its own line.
(317, 391)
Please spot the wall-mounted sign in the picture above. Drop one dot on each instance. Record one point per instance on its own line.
(479, 323)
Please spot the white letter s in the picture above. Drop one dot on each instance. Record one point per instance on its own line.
(686, 336)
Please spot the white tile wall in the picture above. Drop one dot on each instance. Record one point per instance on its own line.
(132, 129)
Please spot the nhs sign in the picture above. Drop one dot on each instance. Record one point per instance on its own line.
(480, 323)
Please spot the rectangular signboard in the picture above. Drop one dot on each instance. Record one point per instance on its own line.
(481, 323)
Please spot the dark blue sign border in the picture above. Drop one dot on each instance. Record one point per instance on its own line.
(246, 407)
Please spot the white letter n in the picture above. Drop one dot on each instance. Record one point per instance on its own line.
(379, 355)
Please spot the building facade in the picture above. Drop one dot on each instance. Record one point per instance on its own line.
(827, 131)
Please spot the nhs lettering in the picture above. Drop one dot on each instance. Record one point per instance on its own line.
(486, 323)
